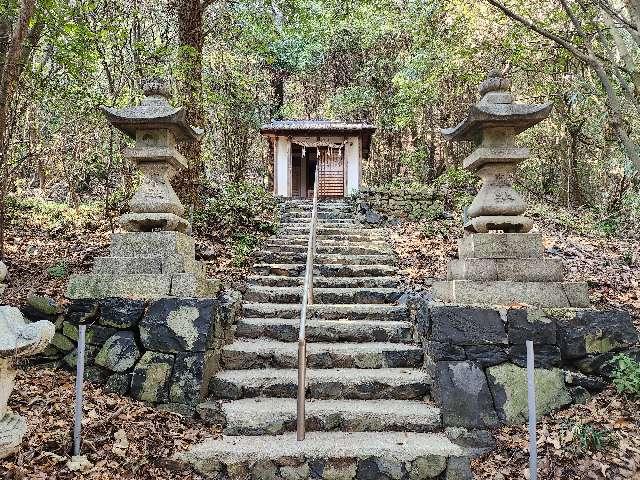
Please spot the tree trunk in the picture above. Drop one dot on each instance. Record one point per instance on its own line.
(11, 66)
(191, 36)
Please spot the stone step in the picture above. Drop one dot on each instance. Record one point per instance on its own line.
(267, 353)
(325, 258)
(286, 330)
(335, 230)
(338, 241)
(322, 215)
(333, 270)
(344, 249)
(150, 265)
(275, 416)
(258, 294)
(331, 456)
(322, 237)
(324, 282)
(322, 207)
(335, 383)
(327, 312)
(325, 222)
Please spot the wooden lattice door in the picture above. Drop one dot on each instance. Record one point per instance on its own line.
(331, 173)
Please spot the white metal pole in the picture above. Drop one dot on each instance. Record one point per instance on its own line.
(79, 381)
(531, 394)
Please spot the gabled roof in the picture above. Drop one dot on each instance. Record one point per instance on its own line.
(316, 126)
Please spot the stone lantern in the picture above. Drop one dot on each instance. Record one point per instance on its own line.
(499, 262)
(155, 256)
(155, 126)
(18, 339)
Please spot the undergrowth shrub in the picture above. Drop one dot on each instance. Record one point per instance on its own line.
(626, 375)
(50, 215)
(238, 215)
(589, 438)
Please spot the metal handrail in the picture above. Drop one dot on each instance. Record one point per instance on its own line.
(307, 299)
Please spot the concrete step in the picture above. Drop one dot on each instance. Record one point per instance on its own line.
(286, 330)
(275, 416)
(322, 214)
(331, 456)
(345, 249)
(245, 354)
(333, 270)
(338, 241)
(259, 294)
(327, 312)
(324, 282)
(322, 207)
(335, 230)
(325, 258)
(335, 383)
(325, 222)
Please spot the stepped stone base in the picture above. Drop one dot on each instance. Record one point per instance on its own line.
(540, 294)
(331, 455)
(508, 269)
(145, 265)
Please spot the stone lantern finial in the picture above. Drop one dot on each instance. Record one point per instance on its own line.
(156, 87)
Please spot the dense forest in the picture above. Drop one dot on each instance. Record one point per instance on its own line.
(411, 67)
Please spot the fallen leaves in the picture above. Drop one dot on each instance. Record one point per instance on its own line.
(122, 438)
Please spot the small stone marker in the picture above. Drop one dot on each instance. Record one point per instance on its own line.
(17, 339)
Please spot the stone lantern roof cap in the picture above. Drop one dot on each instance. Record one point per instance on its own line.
(155, 112)
(496, 109)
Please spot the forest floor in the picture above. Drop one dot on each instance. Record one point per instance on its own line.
(597, 440)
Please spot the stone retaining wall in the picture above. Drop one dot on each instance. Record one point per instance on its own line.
(375, 203)
(162, 352)
(479, 355)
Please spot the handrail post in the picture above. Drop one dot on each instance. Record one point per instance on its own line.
(307, 299)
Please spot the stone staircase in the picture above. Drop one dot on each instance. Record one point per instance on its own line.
(368, 409)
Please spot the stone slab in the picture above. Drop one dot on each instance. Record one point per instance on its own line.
(140, 244)
(113, 285)
(512, 269)
(461, 325)
(508, 385)
(501, 245)
(212, 455)
(538, 294)
(463, 395)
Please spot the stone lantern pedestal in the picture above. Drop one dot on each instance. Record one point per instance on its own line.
(17, 339)
(154, 257)
(499, 261)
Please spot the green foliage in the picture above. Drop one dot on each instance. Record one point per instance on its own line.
(626, 376)
(50, 215)
(459, 186)
(242, 246)
(590, 438)
(242, 211)
(59, 270)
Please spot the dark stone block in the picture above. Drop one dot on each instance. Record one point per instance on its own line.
(439, 352)
(486, 355)
(96, 374)
(368, 469)
(191, 373)
(530, 324)
(467, 325)
(118, 383)
(463, 394)
(121, 312)
(544, 356)
(588, 382)
(474, 442)
(82, 311)
(151, 377)
(595, 332)
(178, 325)
(119, 353)
(98, 335)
